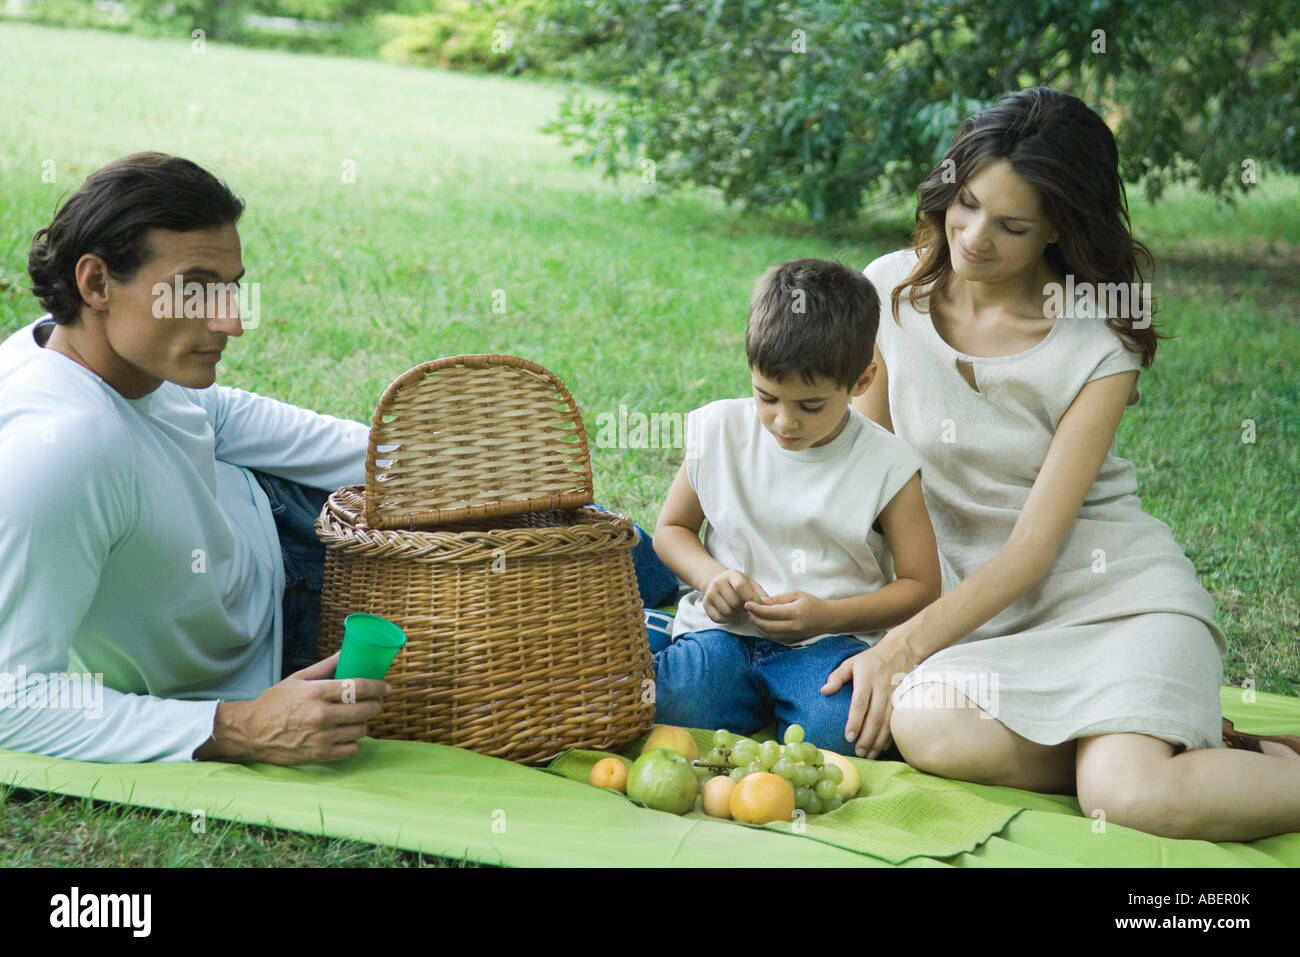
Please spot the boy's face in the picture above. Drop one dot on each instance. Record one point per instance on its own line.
(802, 415)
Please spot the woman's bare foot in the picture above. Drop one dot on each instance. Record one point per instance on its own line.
(1287, 747)
(1278, 749)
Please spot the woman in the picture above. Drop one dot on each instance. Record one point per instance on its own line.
(1069, 615)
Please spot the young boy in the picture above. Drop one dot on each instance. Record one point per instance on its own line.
(805, 499)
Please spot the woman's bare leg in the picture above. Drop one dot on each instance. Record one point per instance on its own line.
(1213, 794)
(964, 743)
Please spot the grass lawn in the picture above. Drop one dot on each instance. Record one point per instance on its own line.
(458, 203)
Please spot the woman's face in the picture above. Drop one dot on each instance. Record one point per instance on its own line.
(995, 226)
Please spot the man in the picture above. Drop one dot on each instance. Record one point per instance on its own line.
(137, 538)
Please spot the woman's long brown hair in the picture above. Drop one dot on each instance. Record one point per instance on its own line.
(1057, 144)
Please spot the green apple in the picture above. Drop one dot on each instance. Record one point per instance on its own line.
(663, 780)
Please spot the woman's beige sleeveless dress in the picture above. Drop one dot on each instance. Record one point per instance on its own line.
(1119, 636)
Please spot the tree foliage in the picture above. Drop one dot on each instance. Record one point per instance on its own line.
(226, 19)
(822, 102)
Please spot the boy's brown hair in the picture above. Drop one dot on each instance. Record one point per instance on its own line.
(810, 318)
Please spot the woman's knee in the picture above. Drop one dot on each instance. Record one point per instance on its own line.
(928, 737)
(1120, 780)
(1132, 801)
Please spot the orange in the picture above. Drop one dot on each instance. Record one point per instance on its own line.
(762, 798)
(609, 773)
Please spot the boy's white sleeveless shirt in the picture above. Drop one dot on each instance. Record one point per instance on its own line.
(792, 520)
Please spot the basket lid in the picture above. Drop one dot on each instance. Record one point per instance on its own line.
(471, 437)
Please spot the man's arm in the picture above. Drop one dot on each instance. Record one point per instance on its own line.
(262, 433)
(66, 498)
(306, 717)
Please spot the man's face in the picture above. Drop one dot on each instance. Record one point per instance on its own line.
(144, 347)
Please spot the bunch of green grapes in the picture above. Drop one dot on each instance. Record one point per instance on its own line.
(799, 762)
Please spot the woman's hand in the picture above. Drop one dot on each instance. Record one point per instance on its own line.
(727, 593)
(790, 616)
(874, 673)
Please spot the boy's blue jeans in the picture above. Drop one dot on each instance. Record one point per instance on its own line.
(295, 508)
(716, 679)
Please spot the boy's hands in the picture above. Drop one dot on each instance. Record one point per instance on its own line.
(790, 616)
(787, 618)
(874, 673)
(728, 592)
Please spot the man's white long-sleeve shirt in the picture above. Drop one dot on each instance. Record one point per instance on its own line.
(135, 544)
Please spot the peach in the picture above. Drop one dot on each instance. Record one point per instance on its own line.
(609, 773)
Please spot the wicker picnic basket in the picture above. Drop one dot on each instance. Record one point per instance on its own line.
(525, 632)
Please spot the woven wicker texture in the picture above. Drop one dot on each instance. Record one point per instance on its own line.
(474, 437)
(525, 633)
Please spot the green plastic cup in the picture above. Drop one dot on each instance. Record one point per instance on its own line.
(370, 644)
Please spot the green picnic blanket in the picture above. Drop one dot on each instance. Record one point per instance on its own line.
(455, 803)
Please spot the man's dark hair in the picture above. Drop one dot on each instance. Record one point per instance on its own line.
(810, 318)
(109, 216)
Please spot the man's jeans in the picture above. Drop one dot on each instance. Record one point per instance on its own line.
(295, 508)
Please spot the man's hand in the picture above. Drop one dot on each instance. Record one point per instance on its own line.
(790, 616)
(874, 673)
(306, 717)
(728, 591)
